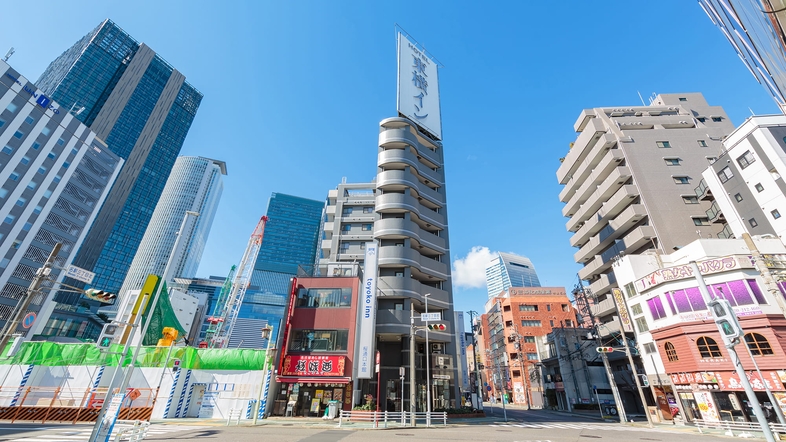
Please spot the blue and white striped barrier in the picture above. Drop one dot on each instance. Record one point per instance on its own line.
(183, 394)
(263, 399)
(171, 394)
(95, 385)
(250, 408)
(22, 384)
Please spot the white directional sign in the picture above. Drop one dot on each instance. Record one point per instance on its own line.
(425, 317)
(80, 274)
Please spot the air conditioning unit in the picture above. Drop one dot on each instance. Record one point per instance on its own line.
(436, 348)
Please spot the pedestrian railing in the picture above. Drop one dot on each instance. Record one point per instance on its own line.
(234, 415)
(738, 429)
(385, 419)
(132, 431)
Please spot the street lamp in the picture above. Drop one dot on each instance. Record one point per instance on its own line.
(428, 370)
(267, 333)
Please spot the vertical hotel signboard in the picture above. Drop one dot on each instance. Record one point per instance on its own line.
(368, 314)
(418, 87)
(461, 341)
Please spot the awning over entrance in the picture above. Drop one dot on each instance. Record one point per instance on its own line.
(313, 380)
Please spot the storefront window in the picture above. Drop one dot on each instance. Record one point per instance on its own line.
(319, 340)
(324, 298)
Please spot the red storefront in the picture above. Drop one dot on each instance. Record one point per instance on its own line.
(318, 346)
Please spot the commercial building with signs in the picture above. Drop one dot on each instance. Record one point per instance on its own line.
(137, 104)
(683, 352)
(510, 328)
(183, 217)
(509, 270)
(55, 175)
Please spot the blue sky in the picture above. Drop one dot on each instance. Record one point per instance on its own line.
(294, 92)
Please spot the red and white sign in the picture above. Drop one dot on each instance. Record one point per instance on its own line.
(313, 365)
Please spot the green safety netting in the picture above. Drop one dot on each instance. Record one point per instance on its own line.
(53, 354)
(163, 316)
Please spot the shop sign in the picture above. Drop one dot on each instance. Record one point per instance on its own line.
(706, 405)
(313, 365)
(707, 267)
(731, 381)
(706, 377)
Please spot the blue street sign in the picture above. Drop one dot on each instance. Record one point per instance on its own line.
(28, 321)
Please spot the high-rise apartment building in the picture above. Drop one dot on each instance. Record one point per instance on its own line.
(509, 270)
(138, 104)
(54, 175)
(195, 185)
(629, 182)
(347, 226)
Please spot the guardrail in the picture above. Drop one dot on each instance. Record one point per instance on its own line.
(738, 429)
(234, 414)
(384, 419)
(134, 433)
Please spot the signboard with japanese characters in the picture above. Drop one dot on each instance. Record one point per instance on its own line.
(313, 365)
(418, 86)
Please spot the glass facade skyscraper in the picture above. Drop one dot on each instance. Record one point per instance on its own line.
(138, 104)
(510, 270)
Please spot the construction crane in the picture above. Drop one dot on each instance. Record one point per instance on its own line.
(216, 320)
(225, 313)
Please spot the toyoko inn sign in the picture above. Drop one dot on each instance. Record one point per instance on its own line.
(418, 87)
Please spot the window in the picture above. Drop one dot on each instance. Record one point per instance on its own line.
(346, 227)
(663, 144)
(27, 227)
(702, 143)
(346, 211)
(344, 246)
(717, 119)
(29, 120)
(641, 324)
(671, 352)
(21, 202)
(672, 161)
(529, 339)
(19, 134)
(14, 176)
(683, 99)
(532, 356)
(758, 344)
(565, 307)
(738, 197)
(37, 210)
(36, 145)
(701, 221)
(630, 290)
(16, 243)
(568, 323)
(636, 309)
(51, 155)
(57, 179)
(708, 348)
(367, 227)
(48, 193)
(775, 214)
(753, 222)
(711, 159)
(759, 187)
(551, 323)
(701, 119)
(324, 298)
(8, 150)
(746, 159)
(725, 174)
(528, 308)
(362, 246)
(656, 308)
(42, 170)
(319, 340)
(32, 185)
(3, 193)
(530, 323)
(649, 347)
(66, 164)
(690, 199)
(60, 141)
(368, 210)
(2, 122)
(11, 107)
(25, 160)
(681, 180)
(10, 219)
(46, 131)
(4, 263)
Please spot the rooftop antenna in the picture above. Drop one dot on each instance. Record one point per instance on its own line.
(753, 114)
(642, 100)
(9, 54)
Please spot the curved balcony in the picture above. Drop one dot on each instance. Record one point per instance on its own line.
(396, 202)
(412, 288)
(398, 256)
(396, 178)
(405, 156)
(392, 228)
(399, 136)
(432, 241)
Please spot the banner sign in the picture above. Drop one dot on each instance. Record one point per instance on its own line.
(622, 309)
(706, 267)
(418, 87)
(313, 365)
(461, 341)
(368, 313)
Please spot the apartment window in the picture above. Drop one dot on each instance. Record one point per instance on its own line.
(683, 99)
(27, 227)
(344, 246)
(649, 348)
(759, 187)
(10, 219)
(51, 155)
(702, 143)
(641, 324)
(19, 134)
(3, 193)
(11, 107)
(711, 159)
(324, 298)
(663, 144)
(725, 174)
(758, 344)
(532, 356)
(775, 214)
(701, 119)
(66, 165)
(14, 176)
(346, 227)
(630, 290)
(46, 131)
(528, 308)
(681, 180)
(738, 197)
(753, 222)
(717, 119)
(530, 323)
(4, 263)
(746, 159)
(362, 246)
(368, 210)
(36, 145)
(16, 243)
(701, 221)
(367, 227)
(565, 307)
(319, 340)
(529, 339)
(60, 141)
(708, 348)
(346, 211)
(8, 150)
(48, 193)
(37, 210)
(25, 160)
(2, 122)
(32, 185)
(636, 309)
(690, 199)
(29, 120)
(551, 323)
(42, 170)
(568, 323)
(672, 161)
(21, 202)
(671, 352)
(57, 179)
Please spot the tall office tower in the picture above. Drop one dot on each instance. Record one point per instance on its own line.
(509, 270)
(629, 182)
(208, 289)
(755, 29)
(187, 207)
(137, 103)
(347, 226)
(55, 174)
(290, 241)
(411, 229)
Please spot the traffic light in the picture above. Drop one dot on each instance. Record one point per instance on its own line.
(726, 319)
(100, 295)
(436, 327)
(107, 336)
(605, 349)
(645, 381)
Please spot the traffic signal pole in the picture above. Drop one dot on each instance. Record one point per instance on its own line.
(610, 375)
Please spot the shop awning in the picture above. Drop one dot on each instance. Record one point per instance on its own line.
(313, 380)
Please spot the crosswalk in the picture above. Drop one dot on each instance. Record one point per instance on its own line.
(84, 434)
(578, 426)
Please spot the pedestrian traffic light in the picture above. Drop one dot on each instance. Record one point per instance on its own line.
(107, 336)
(645, 381)
(605, 349)
(436, 327)
(726, 319)
(100, 295)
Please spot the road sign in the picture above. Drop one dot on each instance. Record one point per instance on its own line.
(28, 321)
(80, 274)
(431, 316)
(488, 387)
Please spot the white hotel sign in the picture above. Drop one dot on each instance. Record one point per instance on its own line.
(418, 87)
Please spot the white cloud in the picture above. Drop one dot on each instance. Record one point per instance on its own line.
(470, 271)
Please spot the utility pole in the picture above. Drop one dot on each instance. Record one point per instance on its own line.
(412, 408)
(19, 312)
